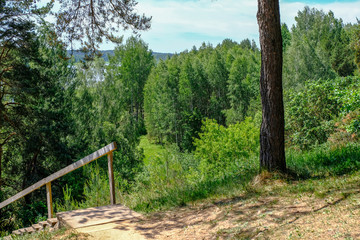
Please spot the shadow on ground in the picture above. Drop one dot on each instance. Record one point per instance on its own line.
(255, 218)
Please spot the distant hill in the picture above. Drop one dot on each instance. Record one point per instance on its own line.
(80, 55)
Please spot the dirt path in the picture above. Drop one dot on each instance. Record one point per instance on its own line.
(271, 217)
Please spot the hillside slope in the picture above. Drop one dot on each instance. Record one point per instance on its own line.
(326, 208)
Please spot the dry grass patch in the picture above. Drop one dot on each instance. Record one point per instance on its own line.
(275, 212)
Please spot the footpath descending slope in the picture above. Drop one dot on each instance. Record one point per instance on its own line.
(306, 216)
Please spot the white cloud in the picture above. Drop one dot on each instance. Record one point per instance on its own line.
(179, 25)
(348, 11)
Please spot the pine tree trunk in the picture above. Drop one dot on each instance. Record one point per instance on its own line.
(1, 153)
(272, 152)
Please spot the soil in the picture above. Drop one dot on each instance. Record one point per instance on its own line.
(247, 217)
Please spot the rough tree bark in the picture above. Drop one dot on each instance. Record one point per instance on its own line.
(272, 152)
(1, 153)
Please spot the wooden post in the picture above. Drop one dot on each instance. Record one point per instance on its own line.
(111, 178)
(49, 200)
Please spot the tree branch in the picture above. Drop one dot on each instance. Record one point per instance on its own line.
(8, 138)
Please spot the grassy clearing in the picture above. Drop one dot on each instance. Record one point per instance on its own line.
(150, 150)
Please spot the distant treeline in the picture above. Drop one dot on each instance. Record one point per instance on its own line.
(79, 55)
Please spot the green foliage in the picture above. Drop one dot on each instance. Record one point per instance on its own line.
(217, 75)
(95, 21)
(311, 115)
(196, 104)
(35, 124)
(183, 194)
(222, 150)
(286, 36)
(86, 22)
(161, 101)
(218, 83)
(108, 106)
(223, 158)
(68, 203)
(243, 83)
(355, 42)
(174, 179)
(127, 72)
(95, 193)
(166, 169)
(33, 212)
(324, 161)
(96, 190)
(319, 48)
(347, 91)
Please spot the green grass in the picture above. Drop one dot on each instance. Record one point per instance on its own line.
(311, 172)
(324, 161)
(323, 171)
(148, 200)
(316, 172)
(150, 149)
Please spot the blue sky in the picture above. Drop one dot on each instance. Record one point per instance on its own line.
(178, 25)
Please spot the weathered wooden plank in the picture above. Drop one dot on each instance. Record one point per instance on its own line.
(49, 200)
(111, 178)
(95, 155)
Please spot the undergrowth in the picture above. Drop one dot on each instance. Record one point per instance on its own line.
(324, 161)
(311, 171)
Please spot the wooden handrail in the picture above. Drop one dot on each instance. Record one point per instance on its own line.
(107, 150)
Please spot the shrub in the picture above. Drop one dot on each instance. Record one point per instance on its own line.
(222, 151)
(312, 113)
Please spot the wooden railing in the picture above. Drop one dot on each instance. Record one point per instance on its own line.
(107, 150)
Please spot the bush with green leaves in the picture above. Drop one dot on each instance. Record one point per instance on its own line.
(312, 113)
(224, 151)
